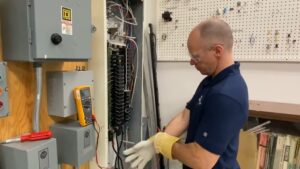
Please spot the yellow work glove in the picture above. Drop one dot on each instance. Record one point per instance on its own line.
(163, 144)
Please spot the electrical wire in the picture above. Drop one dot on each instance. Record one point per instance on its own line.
(122, 90)
(118, 159)
(120, 9)
(130, 23)
(97, 141)
(127, 7)
(137, 69)
(126, 66)
(120, 163)
(113, 4)
(127, 91)
(127, 37)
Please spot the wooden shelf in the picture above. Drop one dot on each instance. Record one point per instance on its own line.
(275, 110)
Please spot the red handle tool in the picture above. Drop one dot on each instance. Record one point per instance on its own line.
(36, 136)
(30, 137)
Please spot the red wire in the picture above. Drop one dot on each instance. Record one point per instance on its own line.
(98, 135)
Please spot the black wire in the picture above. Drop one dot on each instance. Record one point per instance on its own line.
(119, 146)
(122, 134)
(116, 154)
(118, 159)
(118, 150)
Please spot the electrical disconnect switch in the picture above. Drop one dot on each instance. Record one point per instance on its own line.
(76, 144)
(61, 30)
(29, 155)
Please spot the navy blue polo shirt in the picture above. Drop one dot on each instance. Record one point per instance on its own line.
(218, 110)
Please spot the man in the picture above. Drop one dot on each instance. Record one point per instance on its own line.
(215, 114)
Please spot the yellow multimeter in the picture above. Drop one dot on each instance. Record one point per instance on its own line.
(83, 101)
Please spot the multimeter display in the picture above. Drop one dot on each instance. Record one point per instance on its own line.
(87, 104)
(85, 93)
(82, 95)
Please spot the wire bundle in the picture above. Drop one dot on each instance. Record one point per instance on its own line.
(118, 160)
(129, 83)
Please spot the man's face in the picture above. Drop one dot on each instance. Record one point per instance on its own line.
(202, 55)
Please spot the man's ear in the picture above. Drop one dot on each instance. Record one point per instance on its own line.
(219, 49)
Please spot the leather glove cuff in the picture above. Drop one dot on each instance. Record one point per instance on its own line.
(163, 144)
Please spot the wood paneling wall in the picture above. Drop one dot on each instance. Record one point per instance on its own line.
(21, 86)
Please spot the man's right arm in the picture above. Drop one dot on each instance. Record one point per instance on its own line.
(145, 149)
(178, 125)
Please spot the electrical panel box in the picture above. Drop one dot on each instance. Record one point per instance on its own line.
(4, 106)
(29, 155)
(40, 30)
(76, 144)
(60, 87)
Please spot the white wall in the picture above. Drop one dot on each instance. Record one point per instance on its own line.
(278, 82)
(177, 82)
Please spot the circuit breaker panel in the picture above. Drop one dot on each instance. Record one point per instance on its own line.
(38, 30)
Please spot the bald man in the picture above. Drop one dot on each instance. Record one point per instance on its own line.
(214, 115)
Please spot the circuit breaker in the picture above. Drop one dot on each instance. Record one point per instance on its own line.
(76, 144)
(4, 106)
(60, 87)
(29, 155)
(39, 30)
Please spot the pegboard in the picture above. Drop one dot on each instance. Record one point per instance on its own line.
(263, 30)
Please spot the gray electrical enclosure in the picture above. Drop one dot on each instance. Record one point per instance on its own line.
(29, 155)
(4, 106)
(60, 87)
(39, 30)
(75, 144)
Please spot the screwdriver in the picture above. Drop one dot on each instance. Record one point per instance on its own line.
(30, 137)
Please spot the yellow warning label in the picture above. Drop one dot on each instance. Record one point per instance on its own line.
(66, 14)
